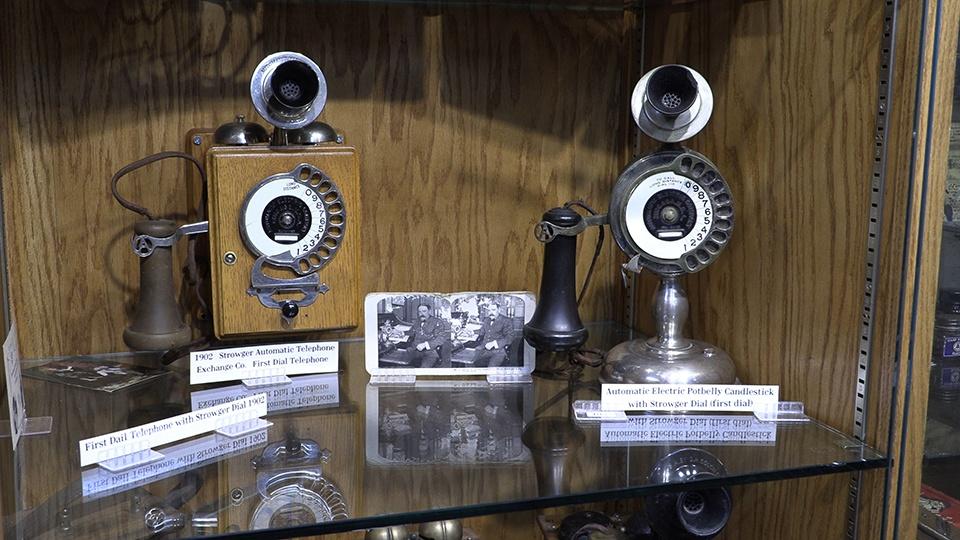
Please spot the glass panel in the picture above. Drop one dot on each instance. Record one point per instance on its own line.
(940, 490)
(343, 454)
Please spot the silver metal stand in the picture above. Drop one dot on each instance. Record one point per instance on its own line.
(668, 358)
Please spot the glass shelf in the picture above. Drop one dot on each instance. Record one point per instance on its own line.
(384, 455)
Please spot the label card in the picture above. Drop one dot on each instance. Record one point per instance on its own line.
(136, 439)
(263, 361)
(15, 401)
(734, 429)
(688, 397)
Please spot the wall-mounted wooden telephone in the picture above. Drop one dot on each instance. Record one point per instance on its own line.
(283, 215)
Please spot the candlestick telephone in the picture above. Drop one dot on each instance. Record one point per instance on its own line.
(670, 212)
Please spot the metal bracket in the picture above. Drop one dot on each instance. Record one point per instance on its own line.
(546, 231)
(144, 244)
(874, 226)
(264, 287)
(633, 267)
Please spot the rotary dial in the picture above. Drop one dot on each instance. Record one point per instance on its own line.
(295, 219)
(671, 212)
(669, 215)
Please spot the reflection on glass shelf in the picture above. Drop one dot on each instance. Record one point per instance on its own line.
(380, 455)
(943, 434)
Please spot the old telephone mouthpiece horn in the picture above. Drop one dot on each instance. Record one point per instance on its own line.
(672, 103)
(288, 90)
(157, 323)
(556, 325)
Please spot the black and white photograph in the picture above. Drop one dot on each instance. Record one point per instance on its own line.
(102, 376)
(430, 333)
(443, 422)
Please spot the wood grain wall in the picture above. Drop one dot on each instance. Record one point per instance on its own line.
(933, 90)
(793, 130)
(796, 90)
(469, 126)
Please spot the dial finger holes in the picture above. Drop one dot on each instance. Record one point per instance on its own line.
(698, 169)
(304, 174)
(703, 256)
(316, 179)
(324, 187)
(323, 253)
(335, 208)
(719, 236)
(315, 260)
(717, 187)
(303, 265)
(723, 224)
(685, 164)
(330, 196)
(335, 231)
(724, 211)
(712, 247)
(330, 243)
(692, 262)
(336, 220)
(723, 198)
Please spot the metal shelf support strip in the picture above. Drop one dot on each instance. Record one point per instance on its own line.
(877, 185)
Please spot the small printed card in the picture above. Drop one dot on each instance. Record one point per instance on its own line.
(263, 361)
(94, 374)
(688, 397)
(15, 401)
(469, 333)
(141, 438)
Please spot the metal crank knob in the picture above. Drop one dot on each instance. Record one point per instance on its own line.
(289, 309)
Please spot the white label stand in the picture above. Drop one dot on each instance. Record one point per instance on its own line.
(38, 425)
(19, 425)
(518, 378)
(243, 428)
(785, 411)
(410, 380)
(129, 461)
(143, 457)
(586, 410)
(262, 382)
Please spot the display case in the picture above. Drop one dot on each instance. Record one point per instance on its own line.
(457, 124)
(940, 450)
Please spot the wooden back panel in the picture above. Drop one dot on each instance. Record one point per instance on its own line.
(470, 121)
(232, 172)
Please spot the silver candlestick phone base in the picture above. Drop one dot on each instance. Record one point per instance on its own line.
(668, 358)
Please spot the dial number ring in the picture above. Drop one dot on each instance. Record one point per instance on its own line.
(648, 202)
(295, 219)
(674, 213)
